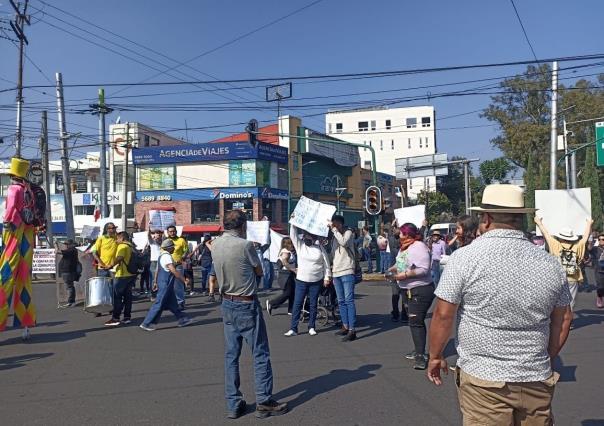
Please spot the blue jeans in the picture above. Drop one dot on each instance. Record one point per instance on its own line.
(436, 271)
(304, 288)
(243, 320)
(268, 270)
(166, 299)
(179, 287)
(384, 261)
(345, 291)
(205, 273)
(367, 252)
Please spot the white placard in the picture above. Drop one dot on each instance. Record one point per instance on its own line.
(312, 216)
(275, 247)
(90, 232)
(415, 215)
(258, 232)
(563, 208)
(179, 230)
(161, 219)
(140, 240)
(44, 261)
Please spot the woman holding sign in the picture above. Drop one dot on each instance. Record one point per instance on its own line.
(313, 270)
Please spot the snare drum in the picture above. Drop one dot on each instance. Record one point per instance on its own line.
(99, 295)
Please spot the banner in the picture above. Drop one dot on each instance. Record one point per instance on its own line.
(44, 261)
(258, 232)
(563, 208)
(312, 216)
(415, 215)
(161, 219)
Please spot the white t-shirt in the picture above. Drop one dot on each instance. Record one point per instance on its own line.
(155, 252)
(165, 259)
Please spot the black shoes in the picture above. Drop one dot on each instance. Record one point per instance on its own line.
(270, 408)
(238, 411)
(351, 336)
(420, 362)
(342, 332)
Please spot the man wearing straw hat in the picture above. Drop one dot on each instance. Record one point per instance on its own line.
(512, 305)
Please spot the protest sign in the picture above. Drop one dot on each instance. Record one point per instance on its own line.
(161, 219)
(563, 208)
(273, 251)
(312, 216)
(415, 215)
(140, 240)
(90, 232)
(258, 231)
(44, 261)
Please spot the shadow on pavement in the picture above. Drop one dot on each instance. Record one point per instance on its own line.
(52, 337)
(586, 317)
(319, 385)
(21, 360)
(50, 323)
(592, 422)
(567, 372)
(370, 325)
(193, 324)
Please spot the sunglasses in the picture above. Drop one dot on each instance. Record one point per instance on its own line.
(600, 239)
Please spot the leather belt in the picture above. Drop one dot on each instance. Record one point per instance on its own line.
(232, 297)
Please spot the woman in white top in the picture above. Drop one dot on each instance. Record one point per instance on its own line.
(313, 270)
(286, 267)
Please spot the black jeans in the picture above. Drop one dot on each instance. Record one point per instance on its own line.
(397, 292)
(600, 283)
(122, 296)
(419, 300)
(288, 289)
(68, 278)
(146, 279)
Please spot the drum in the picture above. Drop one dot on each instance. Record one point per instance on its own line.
(99, 295)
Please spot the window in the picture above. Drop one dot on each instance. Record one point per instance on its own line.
(339, 127)
(146, 140)
(367, 165)
(370, 143)
(381, 145)
(388, 124)
(426, 142)
(205, 211)
(372, 124)
(409, 143)
(155, 177)
(411, 123)
(363, 126)
(84, 210)
(392, 144)
(269, 209)
(154, 142)
(329, 128)
(247, 205)
(425, 121)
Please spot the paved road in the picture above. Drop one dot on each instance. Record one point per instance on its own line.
(76, 371)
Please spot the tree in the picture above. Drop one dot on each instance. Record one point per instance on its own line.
(590, 179)
(530, 181)
(495, 170)
(439, 206)
(453, 187)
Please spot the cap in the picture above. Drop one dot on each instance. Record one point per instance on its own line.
(167, 243)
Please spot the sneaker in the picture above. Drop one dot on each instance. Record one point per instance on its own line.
(65, 305)
(291, 333)
(112, 322)
(204, 293)
(312, 331)
(420, 362)
(350, 337)
(410, 355)
(185, 322)
(192, 293)
(211, 298)
(342, 332)
(147, 327)
(152, 299)
(238, 411)
(269, 308)
(126, 321)
(181, 306)
(289, 313)
(600, 302)
(270, 408)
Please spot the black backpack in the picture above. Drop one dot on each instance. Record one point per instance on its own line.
(136, 263)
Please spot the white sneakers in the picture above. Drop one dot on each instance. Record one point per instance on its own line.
(312, 332)
(290, 333)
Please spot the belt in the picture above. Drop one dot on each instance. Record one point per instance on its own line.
(232, 297)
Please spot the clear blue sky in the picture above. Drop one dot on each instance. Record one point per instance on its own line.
(332, 36)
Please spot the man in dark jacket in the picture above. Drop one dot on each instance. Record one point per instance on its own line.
(68, 268)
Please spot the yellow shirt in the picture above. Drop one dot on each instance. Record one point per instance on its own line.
(576, 251)
(105, 248)
(121, 270)
(180, 248)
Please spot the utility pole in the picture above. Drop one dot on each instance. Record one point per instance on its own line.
(65, 159)
(101, 109)
(21, 18)
(125, 179)
(46, 175)
(466, 180)
(554, 128)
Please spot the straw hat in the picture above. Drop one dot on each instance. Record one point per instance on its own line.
(436, 232)
(503, 198)
(567, 234)
(18, 167)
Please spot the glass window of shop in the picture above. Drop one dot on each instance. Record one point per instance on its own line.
(242, 173)
(156, 177)
(247, 205)
(269, 209)
(205, 211)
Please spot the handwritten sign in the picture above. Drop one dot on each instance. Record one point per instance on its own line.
(161, 219)
(44, 261)
(258, 232)
(415, 215)
(140, 240)
(312, 216)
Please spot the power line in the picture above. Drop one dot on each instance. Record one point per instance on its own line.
(524, 31)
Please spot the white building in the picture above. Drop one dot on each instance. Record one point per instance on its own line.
(393, 133)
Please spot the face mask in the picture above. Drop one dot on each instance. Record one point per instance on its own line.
(308, 241)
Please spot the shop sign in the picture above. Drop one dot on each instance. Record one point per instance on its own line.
(147, 198)
(218, 194)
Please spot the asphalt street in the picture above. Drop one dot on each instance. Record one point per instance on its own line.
(77, 371)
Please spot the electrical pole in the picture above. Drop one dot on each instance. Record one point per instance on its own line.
(21, 19)
(65, 159)
(101, 109)
(46, 175)
(466, 180)
(554, 128)
(125, 179)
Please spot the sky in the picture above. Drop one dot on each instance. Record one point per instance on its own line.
(232, 40)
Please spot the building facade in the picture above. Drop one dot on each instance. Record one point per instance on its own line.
(392, 133)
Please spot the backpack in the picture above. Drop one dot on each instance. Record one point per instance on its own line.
(34, 205)
(136, 264)
(569, 261)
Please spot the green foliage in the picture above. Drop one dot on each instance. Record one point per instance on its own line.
(438, 203)
(495, 170)
(453, 187)
(590, 179)
(530, 180)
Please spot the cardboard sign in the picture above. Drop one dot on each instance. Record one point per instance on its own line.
(415, 215)
(44, 261)
(563, 208)
(90, 232)
(258, 232)
(312, 216)
(161, 219)
(140, 240)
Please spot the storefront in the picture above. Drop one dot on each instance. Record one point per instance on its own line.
(202, 182)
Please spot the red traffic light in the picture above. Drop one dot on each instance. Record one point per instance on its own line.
(373, 200)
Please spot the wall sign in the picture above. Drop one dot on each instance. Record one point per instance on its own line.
(213, 194)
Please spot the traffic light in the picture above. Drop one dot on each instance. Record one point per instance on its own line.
(373, 200)
(252, 132)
